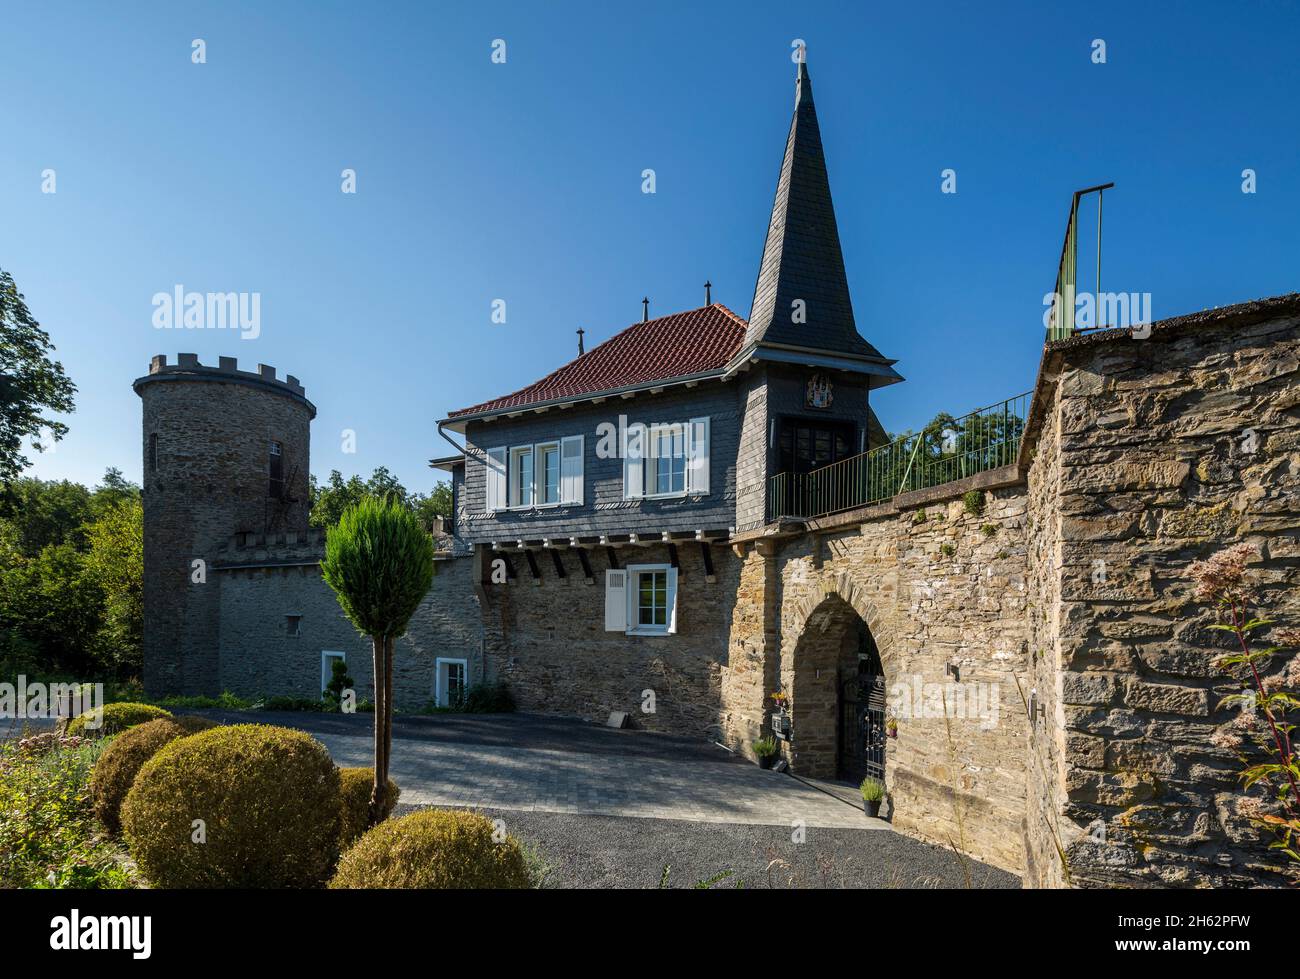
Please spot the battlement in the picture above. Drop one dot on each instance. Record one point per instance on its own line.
(250, 550)
(187, 367)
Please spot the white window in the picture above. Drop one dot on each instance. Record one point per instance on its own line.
(666, 460)
(642, 601)
(450, 681)
(327, 659)
(571, 469)
(548, 473)
(496, 479)
(666, 467)
(521, 476)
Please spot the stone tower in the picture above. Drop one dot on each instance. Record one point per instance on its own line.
(226, 455)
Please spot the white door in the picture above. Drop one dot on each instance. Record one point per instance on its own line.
(451, 681)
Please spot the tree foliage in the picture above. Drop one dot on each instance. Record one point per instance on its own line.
(379, 561)
(32, 386)
(337, 494)
(71, 568)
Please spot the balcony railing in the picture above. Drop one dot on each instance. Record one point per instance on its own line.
(948, 449)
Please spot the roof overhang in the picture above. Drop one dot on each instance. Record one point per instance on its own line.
(879, 373)
(456, 423)
(447, 463)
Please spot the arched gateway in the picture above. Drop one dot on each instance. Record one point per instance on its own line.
(836, 681)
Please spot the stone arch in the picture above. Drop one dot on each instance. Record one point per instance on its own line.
(825, 633)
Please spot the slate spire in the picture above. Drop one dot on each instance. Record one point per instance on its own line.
(802, 258)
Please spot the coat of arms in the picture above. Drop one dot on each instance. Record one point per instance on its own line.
(820, 392)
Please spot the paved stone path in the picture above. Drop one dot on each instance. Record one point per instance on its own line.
(540, 764)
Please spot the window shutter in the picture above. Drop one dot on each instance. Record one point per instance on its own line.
(697, 449)
(571, 469)
(496, 479)
(672, 601)
(615, 601)
(634, 447)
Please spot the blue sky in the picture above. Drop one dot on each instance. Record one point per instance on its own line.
(522, 181)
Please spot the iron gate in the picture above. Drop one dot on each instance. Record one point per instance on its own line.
(862, 727)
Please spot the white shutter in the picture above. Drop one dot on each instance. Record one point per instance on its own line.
(571, 469)
(697, 452)
(496, 479)
(672, 601)
(634, 446)
(615, 601)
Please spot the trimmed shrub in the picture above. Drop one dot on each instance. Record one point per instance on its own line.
(121, 762)
(117, 717)
(430, 849)
(488, 698)
(268, 798)
(193, 724)
(354, 789)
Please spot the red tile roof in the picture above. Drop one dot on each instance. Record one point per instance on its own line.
(680, 345)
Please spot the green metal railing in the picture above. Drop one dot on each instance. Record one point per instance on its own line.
(1060, 323)
(948, 449)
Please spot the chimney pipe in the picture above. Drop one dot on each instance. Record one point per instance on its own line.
(581, 331)
(645, 310)
(708, 293)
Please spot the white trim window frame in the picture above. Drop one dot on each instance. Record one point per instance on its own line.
(543, 488)
(651, 473)
(666, 468)
(522, 478)
(661, 609)
(326, 669)
(442, 697)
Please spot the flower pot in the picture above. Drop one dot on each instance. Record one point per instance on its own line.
(765, 761)
(871, 808)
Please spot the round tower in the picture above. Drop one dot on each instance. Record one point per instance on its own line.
(226, 453)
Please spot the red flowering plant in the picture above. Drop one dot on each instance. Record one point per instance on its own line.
(1260, 734)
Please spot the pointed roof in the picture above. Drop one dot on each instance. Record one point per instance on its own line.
(802, 261)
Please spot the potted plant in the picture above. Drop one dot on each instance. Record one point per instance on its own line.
(873, 794)
(765, 748)
(891, 727)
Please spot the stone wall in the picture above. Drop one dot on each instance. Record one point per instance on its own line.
(945, 590)
(258, 654)
(1154, 453)
(549, 642)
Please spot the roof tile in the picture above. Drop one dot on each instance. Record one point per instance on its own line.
(679, 345)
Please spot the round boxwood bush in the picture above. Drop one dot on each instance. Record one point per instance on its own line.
(355, 786)
(267, 798)
(122, 760)
(117, 717)
(433, 848)
(193, 723)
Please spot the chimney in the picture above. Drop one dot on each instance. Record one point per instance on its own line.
(581, 331)
(708, 293)
(645, 309)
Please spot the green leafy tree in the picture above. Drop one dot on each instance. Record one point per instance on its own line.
(379, 561)
(328, 501)
(31, 384)
(115, 561)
